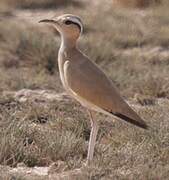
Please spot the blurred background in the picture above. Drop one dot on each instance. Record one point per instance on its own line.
(129, 40)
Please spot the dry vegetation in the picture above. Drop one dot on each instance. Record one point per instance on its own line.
(32, 4)
(136, 3)
(131, 46)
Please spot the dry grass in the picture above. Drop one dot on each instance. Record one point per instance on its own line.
(131, 47)
(136, 3)
(41, 4)
(39, 134)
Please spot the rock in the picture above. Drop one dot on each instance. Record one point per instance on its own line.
(22, 164)
(58, 167)
(41, 173)
(24, 95)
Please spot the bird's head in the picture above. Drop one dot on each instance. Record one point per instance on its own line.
(68, 25)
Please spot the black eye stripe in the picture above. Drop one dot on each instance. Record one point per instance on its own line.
(68, 22)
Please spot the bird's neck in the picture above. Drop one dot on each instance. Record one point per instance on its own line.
(68, 43)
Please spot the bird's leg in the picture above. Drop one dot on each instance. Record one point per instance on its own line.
(92, 140)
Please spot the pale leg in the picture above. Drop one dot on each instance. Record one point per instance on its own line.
(92, 140)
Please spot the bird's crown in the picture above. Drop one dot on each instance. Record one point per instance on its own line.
(69, 19)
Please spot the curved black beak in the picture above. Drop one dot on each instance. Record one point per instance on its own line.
(50, 21)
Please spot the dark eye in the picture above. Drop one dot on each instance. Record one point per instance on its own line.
(68, 22)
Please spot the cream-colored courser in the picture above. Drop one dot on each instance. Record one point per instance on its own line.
(85, 81)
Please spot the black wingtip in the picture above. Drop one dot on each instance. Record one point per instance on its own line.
(136, 123)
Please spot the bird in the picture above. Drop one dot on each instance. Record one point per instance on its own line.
(86, 82)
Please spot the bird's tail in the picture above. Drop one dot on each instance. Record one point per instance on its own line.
(137, 122)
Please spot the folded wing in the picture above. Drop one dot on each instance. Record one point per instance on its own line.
(89, 82)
